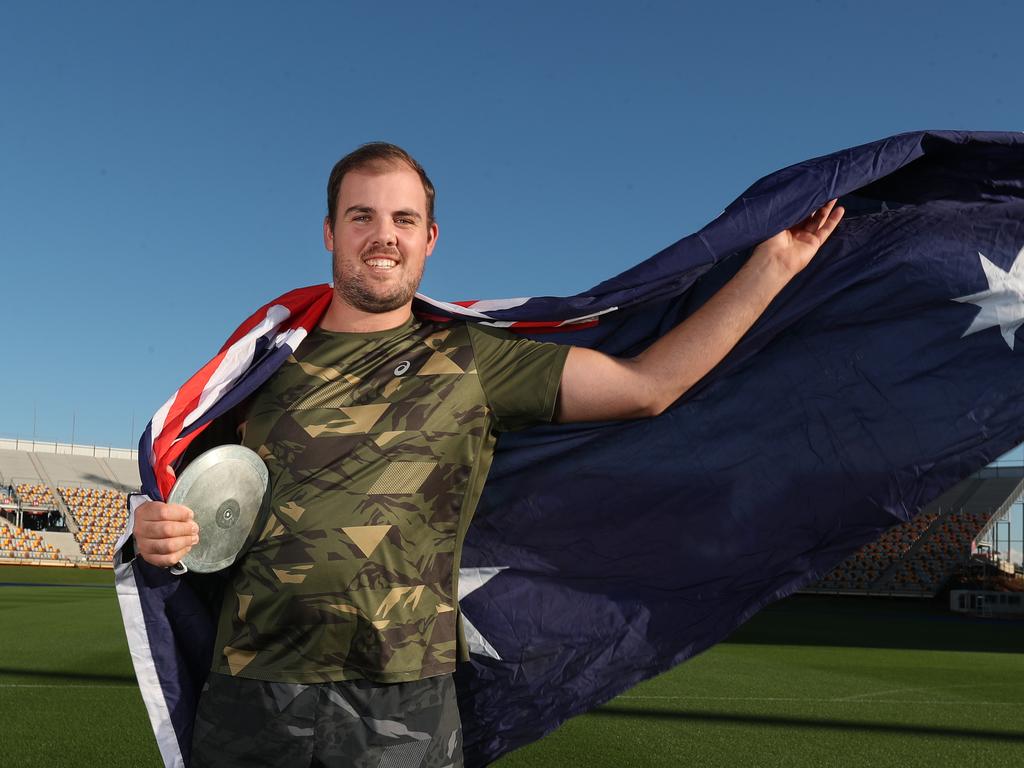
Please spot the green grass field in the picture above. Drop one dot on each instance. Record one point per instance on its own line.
(809, 682)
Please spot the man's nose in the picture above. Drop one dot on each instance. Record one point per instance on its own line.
(386, 234)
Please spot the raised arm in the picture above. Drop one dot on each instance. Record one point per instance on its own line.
(597, 387)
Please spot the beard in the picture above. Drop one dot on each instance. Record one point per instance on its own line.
(360, 291)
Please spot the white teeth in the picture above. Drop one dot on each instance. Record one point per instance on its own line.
(381, 263)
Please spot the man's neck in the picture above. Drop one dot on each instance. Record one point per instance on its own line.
(344, 318)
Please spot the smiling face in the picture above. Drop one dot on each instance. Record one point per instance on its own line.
(380, 241)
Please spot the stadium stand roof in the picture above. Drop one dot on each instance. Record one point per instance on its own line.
(58, 464)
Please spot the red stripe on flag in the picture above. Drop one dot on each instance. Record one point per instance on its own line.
(185, 401)
(307, 306)
(529, 327)
(295, 301)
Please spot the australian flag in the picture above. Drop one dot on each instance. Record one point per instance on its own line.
(603, 554)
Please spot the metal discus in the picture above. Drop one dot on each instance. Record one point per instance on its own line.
(226, 487)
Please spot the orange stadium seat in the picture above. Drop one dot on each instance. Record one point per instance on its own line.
(944, 544)
(100, 514)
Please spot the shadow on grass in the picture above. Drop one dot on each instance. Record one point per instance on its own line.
(61, 675)
(812, 723)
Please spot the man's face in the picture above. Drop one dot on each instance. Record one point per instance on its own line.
(381, 238)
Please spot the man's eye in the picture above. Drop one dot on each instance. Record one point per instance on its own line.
(361, 217)
(405, 221)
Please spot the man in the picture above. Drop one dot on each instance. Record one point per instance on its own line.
(339, 629)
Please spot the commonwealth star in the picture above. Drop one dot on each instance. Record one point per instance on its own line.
(1002, 304)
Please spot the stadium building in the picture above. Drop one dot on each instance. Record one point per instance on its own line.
(63, 504)
(962, 539)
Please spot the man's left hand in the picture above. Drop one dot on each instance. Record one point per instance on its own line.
(793, 248)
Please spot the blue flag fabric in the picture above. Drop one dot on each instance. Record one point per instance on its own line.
(603, 554)
(608, 553)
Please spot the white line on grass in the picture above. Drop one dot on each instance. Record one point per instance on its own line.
(922, 689)
(871, 694)
(820, 700)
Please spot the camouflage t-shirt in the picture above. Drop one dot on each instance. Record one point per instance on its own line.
(378, 445)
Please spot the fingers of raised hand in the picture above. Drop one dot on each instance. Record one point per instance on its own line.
(820, 216)
(830, 220)
(817, 218)
(820, 224)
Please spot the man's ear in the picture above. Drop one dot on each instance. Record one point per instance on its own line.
(431, 238)
(328, 234)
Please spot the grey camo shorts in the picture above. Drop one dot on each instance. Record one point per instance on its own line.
(356, 724)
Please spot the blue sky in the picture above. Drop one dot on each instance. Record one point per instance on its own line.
(164, 164)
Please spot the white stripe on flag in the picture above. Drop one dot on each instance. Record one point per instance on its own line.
(587, 318)
(158, 421)
(145, 666)
(453, 309)
(489, 305)
(236, 361)
(292, 337)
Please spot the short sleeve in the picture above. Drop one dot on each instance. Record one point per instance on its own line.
(520, 377)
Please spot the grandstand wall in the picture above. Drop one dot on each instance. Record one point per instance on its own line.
(987, 603)
(73, 449)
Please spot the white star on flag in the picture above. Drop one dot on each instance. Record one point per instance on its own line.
(1002, 304)
(470, 580)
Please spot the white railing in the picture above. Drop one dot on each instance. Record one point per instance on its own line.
(68, 449)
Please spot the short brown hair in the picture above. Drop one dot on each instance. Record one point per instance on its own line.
(376, 153)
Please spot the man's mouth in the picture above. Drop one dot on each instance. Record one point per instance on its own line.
(381, 259)
(381, 262)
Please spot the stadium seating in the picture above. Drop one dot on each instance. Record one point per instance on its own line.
(946, 548)
(914, 558)
(35, 495)
(863, 569)
(19, 544)
(101, 514)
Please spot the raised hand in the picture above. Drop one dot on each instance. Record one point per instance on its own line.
(793, 248)
(597, 387)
